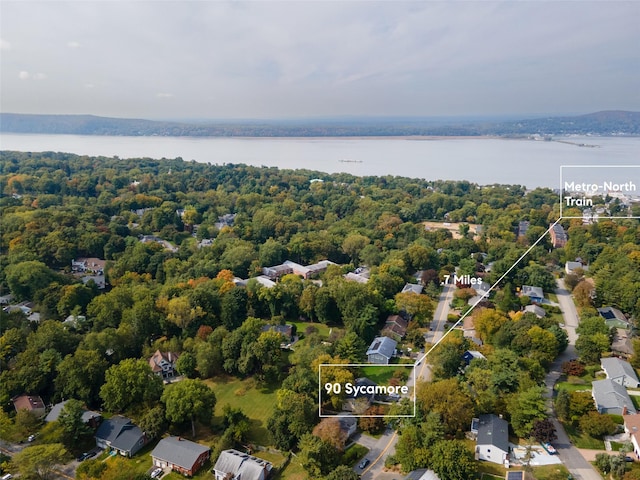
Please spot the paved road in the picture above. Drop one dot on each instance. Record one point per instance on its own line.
(385, 446)
(580, 468)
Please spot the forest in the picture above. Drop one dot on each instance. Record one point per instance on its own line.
(183, 244)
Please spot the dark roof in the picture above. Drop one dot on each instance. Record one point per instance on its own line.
(120, 433)
(610, 313)
(178, 451)
(519, 475)
(363, 382)
(493, 430)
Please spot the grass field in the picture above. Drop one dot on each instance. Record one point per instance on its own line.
(550, 472)
(257, 403)
(380, 374)
(582, 440)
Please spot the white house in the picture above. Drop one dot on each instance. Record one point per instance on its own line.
(235, 465)
(492, 443)
(632, 427)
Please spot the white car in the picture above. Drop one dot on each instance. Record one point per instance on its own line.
(156, 473)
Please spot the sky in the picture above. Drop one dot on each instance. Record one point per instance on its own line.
(292, 59)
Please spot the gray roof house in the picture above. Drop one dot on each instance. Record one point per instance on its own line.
(381, 350)
(412, 288)
(620, 372)
(120, 434)
(492, 442)
(88, 416)
(535, 294)
(181, 455)
(235, 465)
(613, 317)
(611, 397)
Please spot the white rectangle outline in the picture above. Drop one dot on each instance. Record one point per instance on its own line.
(405, 365)
(592, 166)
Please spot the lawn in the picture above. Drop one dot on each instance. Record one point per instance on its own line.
(550, 472)
(323, 330)
(582, 440)
(256, 402)
(380, 374)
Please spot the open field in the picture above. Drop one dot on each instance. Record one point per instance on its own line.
(256, 402)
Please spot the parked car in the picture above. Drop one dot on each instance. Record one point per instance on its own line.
(156, 473)
(551, 450)
(364, 463)
(31, 438)
(84, 456)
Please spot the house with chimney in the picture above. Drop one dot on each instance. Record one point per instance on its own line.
(180, 455)
(235, 465)
(163, 364)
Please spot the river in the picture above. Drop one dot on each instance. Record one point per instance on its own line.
(481, 160)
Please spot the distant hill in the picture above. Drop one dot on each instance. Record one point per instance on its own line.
(599, 123)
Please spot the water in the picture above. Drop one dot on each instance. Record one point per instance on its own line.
(480, 160)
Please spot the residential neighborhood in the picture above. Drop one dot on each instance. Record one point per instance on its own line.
(263, 332)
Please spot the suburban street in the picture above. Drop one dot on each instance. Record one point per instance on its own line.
(385, 445)
(569, 454)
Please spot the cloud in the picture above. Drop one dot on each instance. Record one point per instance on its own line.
(24, 75)
(164, 95)
(4, 45)
(73, 44)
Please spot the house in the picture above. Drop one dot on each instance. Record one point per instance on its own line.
(622, 344)
(523, 226)
(613, 317)
(348, 424)
(265, 281)
(235, 465)
(611, 397)
(180, 455)
(422, 474)
(632, 428)
(163, 364)
(492, 442)
(620, 372)
(537, 310)
(118, 433)
(276, 271)
(99, 280)
(396, 326)
(88, 417)
(412, 288)
(287, 331)
(381, 350)
(360, 401)
(470, 355)
(356, 277)
(31, 403)
(535, 294)
(558, 236)
(571, 267)
(89, 265)
(6, 299)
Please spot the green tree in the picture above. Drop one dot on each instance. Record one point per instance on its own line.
(73, 426)
(26, 278)
(186, 364)
(189, 400)
(317, 457)
(129, 383)
(81, 375)
(591, 347)
(351, 347)
(295, 414)
(40, 461)
(452, 460)
(525, 408)
(153, 422)
(353, 245)
(597, 425)
(343, 472)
